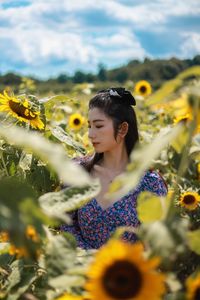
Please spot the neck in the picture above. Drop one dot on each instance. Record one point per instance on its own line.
(115, 160)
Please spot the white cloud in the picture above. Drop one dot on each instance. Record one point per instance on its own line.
(190, 45)
(121, 45)
(147, 14)
(47, 31)
(36, 46)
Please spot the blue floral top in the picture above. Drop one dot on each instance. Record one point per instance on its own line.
(92, 225)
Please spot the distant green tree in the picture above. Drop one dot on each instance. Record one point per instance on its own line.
(62, 78)
(121, 76)
(169, 71)
(79, 77)
(196, 60)
(10, 79)
(90, 77)
(102, 73)
(134, 63)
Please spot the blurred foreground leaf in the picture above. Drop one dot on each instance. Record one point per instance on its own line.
(165, 91)
(69, 199)
(181, 140)
(20, 209)
(194, 240)
(63, 137)
(20, 279)
(50, 152)
(141, 159)
(151, 207)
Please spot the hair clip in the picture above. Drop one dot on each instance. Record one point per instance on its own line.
(114, 93)
(121, 94)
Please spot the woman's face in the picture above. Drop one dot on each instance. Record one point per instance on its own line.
(101, 131)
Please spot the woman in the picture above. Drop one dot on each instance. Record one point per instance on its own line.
(113, 132)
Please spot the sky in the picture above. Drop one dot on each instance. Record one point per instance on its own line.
(43, 38)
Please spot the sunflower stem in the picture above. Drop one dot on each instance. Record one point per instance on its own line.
(4, 165)
(181, 170)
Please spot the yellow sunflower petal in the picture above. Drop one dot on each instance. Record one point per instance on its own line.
(143, 88)
(20, 110)
(120, 271)
(76, 121)
(193, 288)
(189, 200)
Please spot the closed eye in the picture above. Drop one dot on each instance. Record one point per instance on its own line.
(97, 126)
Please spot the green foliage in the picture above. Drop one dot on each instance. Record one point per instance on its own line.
(194, 241)
(47, 151)
(65, 138)
(68, 199)
(19, 208)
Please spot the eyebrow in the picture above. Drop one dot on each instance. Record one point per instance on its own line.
(97, 120)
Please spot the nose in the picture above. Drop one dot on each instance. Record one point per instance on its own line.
(91, 133)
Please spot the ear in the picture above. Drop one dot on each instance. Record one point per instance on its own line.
(123, 129)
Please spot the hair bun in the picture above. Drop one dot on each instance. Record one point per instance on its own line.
(121, 94)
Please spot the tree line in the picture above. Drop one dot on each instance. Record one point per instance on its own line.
(155, 71)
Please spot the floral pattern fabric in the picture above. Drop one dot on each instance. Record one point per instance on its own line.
(92, 225)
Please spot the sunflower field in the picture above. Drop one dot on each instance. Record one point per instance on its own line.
(40, 185)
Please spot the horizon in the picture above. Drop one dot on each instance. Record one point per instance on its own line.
(43, 40)
(94, 73)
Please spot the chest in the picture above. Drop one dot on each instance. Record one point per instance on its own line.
(105, 181)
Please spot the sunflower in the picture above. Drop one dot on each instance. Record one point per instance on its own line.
(143, 88)
(189, 200)
(183, 118)
(120, 271)
(183, 110)
(67, 296)
(76, 121)
(4, 237)
(19, 252)
(21, 109)
(193, 288)
(31, 233)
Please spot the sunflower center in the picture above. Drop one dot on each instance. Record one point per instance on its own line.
(189, 199)
(22, 111)
(122, 280)
(197, 294)
(143, 89)
(184, 119)
(77, 121)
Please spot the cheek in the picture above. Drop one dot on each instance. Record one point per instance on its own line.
(108, 137)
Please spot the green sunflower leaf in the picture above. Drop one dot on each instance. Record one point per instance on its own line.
(194, 240)
(49, 152)
(150, 207)
(71, 198)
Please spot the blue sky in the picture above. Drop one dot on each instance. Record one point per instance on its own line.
(46, 38)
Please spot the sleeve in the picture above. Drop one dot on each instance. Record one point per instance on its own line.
(75, 230)
(154, 182)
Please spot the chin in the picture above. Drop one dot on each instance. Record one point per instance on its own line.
(98, 151)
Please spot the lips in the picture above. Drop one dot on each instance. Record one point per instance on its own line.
(95, 144)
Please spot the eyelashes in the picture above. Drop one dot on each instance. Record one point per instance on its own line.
(100, 126)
